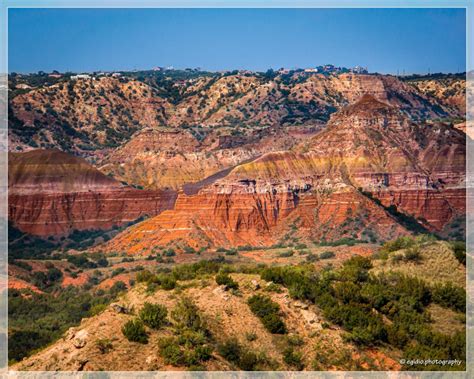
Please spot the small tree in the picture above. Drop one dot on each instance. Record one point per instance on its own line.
(223, 279)
(154, 315)
(135, 331)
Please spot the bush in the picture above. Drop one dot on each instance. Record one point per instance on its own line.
(459, 250)
(135, 331)
(223, 279)
(274, 324)
(118, 271)
(144, 276)
(187, 316)
(267, 310)
(166, 281)
(398, 244)
(232, 351)
(251, 336)
(356, 269)
(412, 254)
(188, 349)
(170, 351)
(294, 340)
(287, 254)
(118, 287)
(154, 315)
(169, 253)
(293, 359)
(248, 361)
(104, 345)
(450, 296)
(326, 255)
(96, 309)
(231, 252)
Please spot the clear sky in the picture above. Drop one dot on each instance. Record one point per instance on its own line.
(384, 40)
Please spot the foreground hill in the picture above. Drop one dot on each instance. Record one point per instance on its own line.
(212, 316)
(53, 193)
(372, 173)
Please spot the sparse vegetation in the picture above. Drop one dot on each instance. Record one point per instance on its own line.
(104, 345)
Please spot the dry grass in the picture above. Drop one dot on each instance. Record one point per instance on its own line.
(437, 265)
(445, 320)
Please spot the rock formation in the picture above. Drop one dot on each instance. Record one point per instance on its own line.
(343, 182)
(53, 193)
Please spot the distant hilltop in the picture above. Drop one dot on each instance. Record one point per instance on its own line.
(325, 69)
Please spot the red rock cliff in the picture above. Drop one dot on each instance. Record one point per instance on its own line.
(53, 193)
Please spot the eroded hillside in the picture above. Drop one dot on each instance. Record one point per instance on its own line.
(210, 316)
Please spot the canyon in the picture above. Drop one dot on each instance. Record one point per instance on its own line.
(339, 183)
(238, 159)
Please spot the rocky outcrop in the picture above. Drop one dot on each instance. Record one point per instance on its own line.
(173, 158)
(53, 193)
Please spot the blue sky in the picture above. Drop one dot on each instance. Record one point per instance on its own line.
(384, 40)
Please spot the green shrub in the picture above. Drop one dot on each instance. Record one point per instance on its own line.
(274, 324)
(287, 254)
(188, 349)
(166, 281)
(104, 345)
(267, 310)
(171, 352)
(231, 252)
(144, 276)
(189, 250)
(96, 309)
(187, 316)
(135, 331)
(398, 244)
(326, 255)
(223, 279)
(251, 336)
(293, 358)
(459, 250)
(154, 315)
(230, 350)
(301, 246)
(169, 253)
(450, 296)
(118, 271)
(248, 361)
(233, 352)
(294, 340)
(412, 254)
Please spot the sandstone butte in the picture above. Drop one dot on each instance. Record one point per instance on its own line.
(54, 193)
(324, 188)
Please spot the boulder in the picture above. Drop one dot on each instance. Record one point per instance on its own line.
(119, 308)
(300, 305)
(255, 285)
(80, 339)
